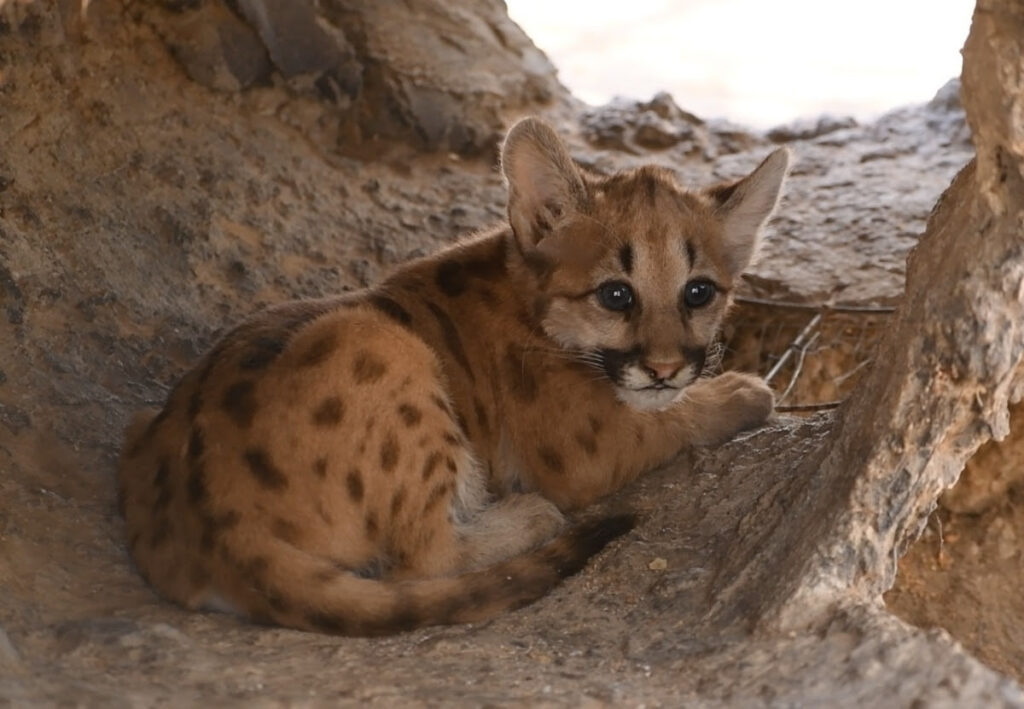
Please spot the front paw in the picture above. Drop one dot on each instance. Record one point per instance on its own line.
(736, 402)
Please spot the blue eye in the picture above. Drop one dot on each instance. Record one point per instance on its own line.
(615, 295)
(698, 293)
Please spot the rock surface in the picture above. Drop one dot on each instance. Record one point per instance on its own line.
(148, 208)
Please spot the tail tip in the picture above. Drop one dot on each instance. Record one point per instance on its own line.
(591, 536)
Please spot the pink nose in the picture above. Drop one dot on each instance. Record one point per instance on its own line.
(663, 370)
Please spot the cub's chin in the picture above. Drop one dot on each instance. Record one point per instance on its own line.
(649, 399)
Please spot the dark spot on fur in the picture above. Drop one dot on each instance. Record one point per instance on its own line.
(373, 569)
(451, 278)
(329, 412)
(161, 481)
(277, 602)
(263, 469)
(450, 335)
(195, 486)
(551, 458)
(650, 185)
(390, 308)
(430, 464)
(372, 527)
(328, 623)
(286, 531)
(410, 414)
(691, 253)
(626, 257)
(595, 424)
(354, 482)
(319, 350)
(196, 444)
(449, 463)
(481, 417)
(239, 404)
(518, 375)
(261, 352)
(161, 533)
(195, 403)
(389, 453)
(451, 438)
(163, 499)
(368, 367)
(320, 467)
(254, 571)
(215, 525)
(397, 500)
(439, 493)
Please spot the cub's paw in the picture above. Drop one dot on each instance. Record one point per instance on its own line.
(735, 402)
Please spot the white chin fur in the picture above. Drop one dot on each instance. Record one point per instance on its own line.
(648, 399)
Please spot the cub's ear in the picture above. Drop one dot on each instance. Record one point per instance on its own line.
(744, 207)
(544, 186)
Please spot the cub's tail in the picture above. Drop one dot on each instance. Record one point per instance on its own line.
(347, 604)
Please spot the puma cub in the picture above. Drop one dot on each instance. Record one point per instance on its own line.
(404, 456)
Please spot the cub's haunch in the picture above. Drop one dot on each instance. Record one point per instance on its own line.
(403, 456)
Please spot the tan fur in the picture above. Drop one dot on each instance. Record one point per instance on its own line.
(404, 456)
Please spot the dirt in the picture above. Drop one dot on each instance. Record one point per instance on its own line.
(142, 211)
(965, 575)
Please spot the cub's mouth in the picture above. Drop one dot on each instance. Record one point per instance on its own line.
(638, 386)
(651, 398)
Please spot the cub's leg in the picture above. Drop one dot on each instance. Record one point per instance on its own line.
(609, 443)
(508, 527)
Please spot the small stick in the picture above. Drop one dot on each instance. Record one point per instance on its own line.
(794, 347)
(816, 307)
(799, 366)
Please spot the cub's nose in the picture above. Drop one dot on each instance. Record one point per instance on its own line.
(663, 370)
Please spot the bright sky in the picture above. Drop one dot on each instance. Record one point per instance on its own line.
(758, 62)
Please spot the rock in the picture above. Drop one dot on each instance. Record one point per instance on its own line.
(446, 81)
(215, 47)
(995, 469)
(634, 126)
(9, 656)
(807, 128)
(296, 42)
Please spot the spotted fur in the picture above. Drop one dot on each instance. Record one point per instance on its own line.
(404, 456)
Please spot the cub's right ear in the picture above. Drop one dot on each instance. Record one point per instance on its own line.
(744, 207)
(544, 186)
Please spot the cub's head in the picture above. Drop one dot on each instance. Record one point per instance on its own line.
(635, 273)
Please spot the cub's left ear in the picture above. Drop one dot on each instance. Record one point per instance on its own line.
(744, 207)
(544, 186)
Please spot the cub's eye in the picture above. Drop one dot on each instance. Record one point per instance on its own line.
(615, 295)
(698, 293)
